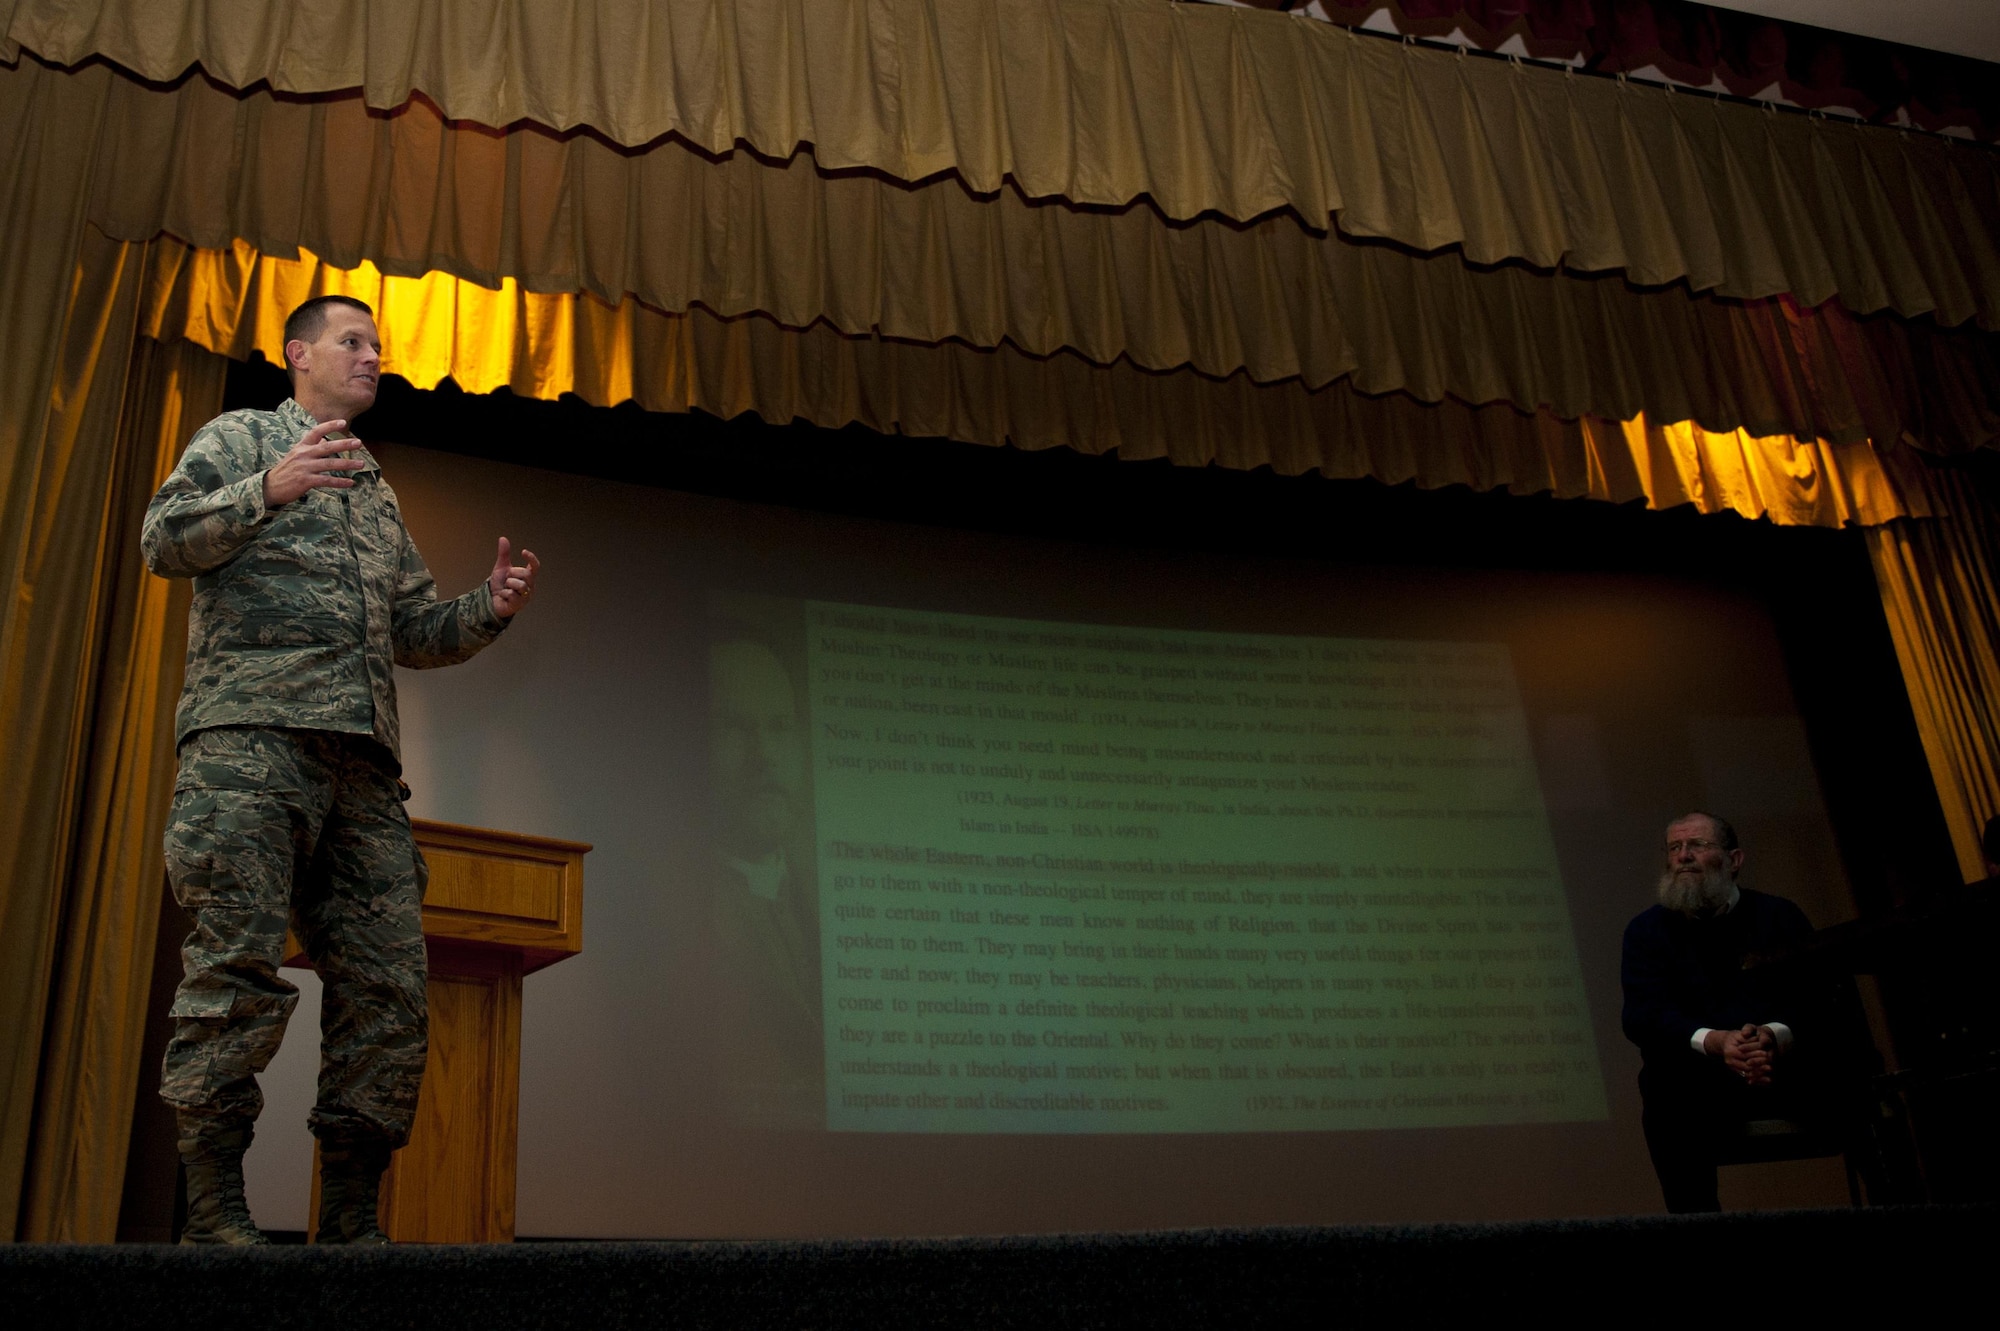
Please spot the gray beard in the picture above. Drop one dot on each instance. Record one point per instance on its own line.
(1695, 898)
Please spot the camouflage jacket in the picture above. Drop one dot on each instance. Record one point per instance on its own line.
(298, 610)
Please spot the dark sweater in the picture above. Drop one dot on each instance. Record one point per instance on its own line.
(1681, 974)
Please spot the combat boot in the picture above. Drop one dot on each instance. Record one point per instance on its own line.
(350, 1185)
(216, 1211)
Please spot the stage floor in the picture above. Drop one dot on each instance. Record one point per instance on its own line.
(1915, 1261)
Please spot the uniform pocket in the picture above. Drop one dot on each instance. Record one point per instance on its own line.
(321, 674)
(223, 759)
(203, 1004)
(306, 658)
(281, 629)
(227, 848)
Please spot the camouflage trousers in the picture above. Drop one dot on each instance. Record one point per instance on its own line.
(299, 827)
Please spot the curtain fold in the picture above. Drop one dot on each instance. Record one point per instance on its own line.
(87, 699)
(90, 1061)
(53, 316)
(1195, 109)
(542, 345)
(1942, 598)
(935, 263)
(88, 655)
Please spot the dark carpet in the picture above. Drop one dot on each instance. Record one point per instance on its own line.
(1918, 1262)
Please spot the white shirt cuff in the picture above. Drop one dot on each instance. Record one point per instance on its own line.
(1781, 1035)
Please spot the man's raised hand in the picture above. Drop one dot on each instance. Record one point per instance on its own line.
(311, 464)
(512, 583)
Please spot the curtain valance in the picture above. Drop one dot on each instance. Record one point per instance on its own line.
(1196, 109)
(1706, 44)
(234, 302)
(936, 263)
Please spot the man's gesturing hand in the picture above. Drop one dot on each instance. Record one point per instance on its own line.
(512, 583)
(310, 465)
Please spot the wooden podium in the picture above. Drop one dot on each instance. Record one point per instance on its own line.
(499, 906)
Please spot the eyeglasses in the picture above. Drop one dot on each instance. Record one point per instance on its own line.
(1699, 845)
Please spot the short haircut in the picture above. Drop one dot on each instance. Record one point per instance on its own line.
(1725, 835)
(308, 321)
(1989, 842)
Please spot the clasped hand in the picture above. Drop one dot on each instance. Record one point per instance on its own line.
(1748, 1053)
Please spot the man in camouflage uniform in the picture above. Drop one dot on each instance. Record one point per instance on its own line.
(288, 804)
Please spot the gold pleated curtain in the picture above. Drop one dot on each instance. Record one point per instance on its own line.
(1214, 235)
(90, 648)
(1898, 348)
(1941, 593)
(1200, 110)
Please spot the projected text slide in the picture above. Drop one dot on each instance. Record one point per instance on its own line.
(1080, 879)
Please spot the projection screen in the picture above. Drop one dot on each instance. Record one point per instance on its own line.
(1098, 878)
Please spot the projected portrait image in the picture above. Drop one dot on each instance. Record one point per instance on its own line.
(763, 903)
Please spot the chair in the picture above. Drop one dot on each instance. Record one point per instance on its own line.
(1763, 1141)
(1857, 1121)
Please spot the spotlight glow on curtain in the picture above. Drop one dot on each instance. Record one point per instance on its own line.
(544, 345)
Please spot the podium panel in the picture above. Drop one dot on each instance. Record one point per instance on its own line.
(454, 1182)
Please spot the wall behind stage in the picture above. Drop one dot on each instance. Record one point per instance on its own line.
(588, 721)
